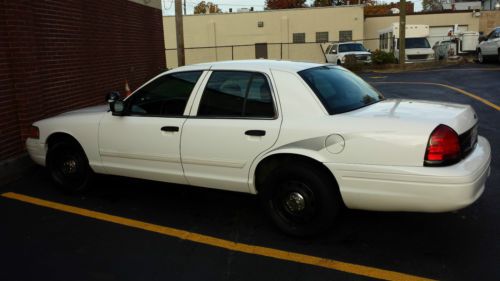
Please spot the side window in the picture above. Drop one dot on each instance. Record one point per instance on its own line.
(236, 94)
(334, 49)
(165, 96)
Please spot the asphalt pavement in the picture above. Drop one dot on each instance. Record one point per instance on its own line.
(45, 243)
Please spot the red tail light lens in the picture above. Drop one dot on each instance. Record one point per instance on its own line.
(34, 133)
(443, 147)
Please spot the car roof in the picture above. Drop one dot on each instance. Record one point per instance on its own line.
(253, 65)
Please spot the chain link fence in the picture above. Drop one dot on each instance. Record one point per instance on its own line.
(308, 51)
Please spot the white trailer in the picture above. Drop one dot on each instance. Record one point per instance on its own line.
(417, 47)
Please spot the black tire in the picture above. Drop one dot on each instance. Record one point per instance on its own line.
(339, 62)
(480, 58)
(310, 213)
(69, 167)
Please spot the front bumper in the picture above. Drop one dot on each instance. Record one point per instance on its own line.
(415, 189)
(36, 150)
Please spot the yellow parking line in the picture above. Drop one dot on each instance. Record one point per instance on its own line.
(458, 90)
(221, 243)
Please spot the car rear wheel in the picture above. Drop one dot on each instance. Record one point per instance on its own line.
(339, 62)
(300, 200)
(69, 167)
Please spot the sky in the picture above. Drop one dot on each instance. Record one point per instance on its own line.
(224, 5)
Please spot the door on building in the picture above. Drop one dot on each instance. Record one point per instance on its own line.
(261, 50)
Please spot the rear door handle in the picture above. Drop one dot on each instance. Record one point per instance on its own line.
(170, 129)
(258, 133)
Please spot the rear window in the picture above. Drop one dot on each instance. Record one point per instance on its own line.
(340, 90)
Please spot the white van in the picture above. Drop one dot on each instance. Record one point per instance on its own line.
(417, 45)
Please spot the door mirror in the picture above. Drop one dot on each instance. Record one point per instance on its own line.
(113, 96)
(334, 51)
(117, 107)
(482, 38)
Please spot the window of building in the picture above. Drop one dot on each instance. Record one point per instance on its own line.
(322, 37)
(345, 35)
(237, 94)
(165, 96)
(299, 38)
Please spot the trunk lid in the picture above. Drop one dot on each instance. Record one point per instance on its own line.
(459, 117)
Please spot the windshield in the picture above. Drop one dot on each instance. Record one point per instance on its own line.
(338, 89)
(354, 47)
(416, 43)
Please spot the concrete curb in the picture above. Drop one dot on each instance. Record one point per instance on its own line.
(14, 168)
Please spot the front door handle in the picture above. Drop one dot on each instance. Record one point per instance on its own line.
(258, 133)
(170, 129)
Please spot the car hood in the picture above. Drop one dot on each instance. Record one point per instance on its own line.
(87, 110)
(460, 117)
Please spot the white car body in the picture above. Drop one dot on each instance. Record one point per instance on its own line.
(490, 47)
(335, 55)
(375, 153)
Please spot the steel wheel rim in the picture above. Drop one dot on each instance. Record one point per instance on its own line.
(68, 168)
(294, 202)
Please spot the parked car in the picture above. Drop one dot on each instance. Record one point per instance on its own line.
(307, 138)
(489, 46)
(338, 52)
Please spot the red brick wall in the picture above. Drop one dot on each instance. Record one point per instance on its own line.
(58, 55)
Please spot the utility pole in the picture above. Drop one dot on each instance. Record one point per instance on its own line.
(185, 7)
(402, 31)
(179, 33)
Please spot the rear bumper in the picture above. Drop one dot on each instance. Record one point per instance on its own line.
(36, 150)
(415, 189)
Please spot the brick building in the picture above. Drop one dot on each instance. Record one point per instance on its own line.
(59, 55)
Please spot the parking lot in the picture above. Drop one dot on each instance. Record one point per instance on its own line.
(129, 229)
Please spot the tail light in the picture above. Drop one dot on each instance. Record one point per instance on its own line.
(443, 147)
(34, 133)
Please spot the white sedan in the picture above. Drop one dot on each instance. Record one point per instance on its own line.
(307, 138)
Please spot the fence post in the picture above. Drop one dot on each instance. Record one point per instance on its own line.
(281, 50)
(232, 52)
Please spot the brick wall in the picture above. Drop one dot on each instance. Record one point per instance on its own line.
(58, 55)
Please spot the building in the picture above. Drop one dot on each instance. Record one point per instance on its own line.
(297, 34)
(275, 34)
(60, 55)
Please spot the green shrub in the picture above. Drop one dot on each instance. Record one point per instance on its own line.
(381, 57)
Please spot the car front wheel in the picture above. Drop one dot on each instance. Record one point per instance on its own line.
(480, 57)
(300, 199)
(69, 167)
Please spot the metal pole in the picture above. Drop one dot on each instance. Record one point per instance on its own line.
(181, 60)
(185, 13)
(402, 31)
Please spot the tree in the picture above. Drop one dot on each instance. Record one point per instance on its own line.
(285, 4)
(206, 7)
(432, 5)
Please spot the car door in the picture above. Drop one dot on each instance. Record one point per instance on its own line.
(233, 120)
(145, 142)
(490, 44)
(331, 55)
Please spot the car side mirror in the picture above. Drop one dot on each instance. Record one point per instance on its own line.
(369, 51)
(334, 51)
(113, 96)
(482, 38)
(117, 107)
